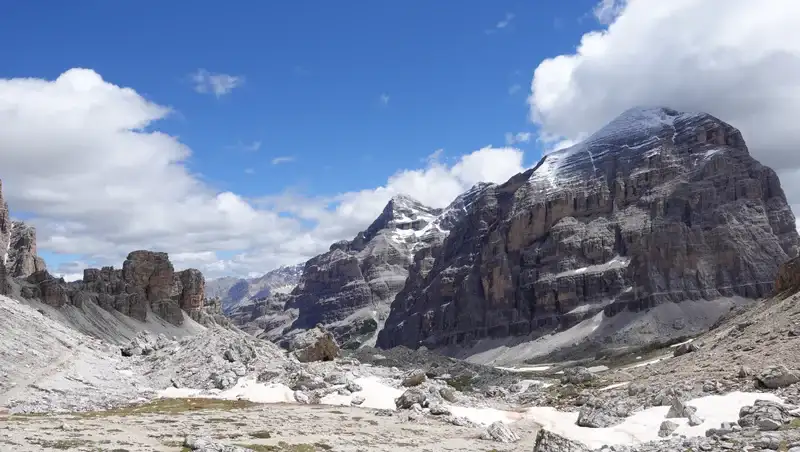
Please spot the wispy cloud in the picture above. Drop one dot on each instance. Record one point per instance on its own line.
(217, 84)
(384, 99)
(501, 24)
(519, 137)
(282, 159)
(505, 22)
(249, 171)
(514, 88)
(247, 147)
(608, 10)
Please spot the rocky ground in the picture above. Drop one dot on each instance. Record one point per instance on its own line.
(283, 427)
(734, 388)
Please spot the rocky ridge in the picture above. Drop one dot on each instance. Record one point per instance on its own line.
(657, 207)
(17, 245)
(146, 283)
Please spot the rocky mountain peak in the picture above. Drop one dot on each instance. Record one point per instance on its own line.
(402, 213)
(658, 206)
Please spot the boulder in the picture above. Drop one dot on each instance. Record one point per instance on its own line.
(577, 375)
(500, 432)
(410, 397)
(316, 344)
(775, 377)
(666, 429)
(764, 415)
(788, 280)
(547, 441)
(414, 378)
(685, 348)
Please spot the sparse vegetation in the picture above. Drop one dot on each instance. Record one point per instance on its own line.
(172, 406)
(286, 447)
(60, 444)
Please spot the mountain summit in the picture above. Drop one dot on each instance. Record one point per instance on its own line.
(659, 211)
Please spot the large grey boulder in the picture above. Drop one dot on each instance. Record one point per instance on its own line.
(764, 415)
(500, 432)
(314, 345)
(777, 377)
(547, 441)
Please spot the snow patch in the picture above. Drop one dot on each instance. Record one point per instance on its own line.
(524, 369)
(376, 395)
(643, 426)
(647, 363)
(617, 262)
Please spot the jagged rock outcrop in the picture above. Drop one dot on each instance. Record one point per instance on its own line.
(17, 246)
(147, 282)
(788, 280)
(658, 206)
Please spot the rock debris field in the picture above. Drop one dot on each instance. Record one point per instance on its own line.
(218, 389)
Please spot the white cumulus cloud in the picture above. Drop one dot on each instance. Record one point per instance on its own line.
(84, 158)
(736, 59)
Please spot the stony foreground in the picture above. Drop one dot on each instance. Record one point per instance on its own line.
(278, 427)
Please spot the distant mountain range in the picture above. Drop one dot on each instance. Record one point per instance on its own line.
(235, 292)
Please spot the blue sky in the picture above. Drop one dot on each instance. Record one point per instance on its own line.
(349, 99)
(314, 73)
(241, 136)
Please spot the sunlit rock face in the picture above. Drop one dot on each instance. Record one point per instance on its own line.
(658, 206)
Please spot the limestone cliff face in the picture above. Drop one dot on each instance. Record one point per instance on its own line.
(658, 206)
(146, 283)
(349, 289)
(788, 280)
(17, 245)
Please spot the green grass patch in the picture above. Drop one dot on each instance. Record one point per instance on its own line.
(171, 406)
(286, 447)
(61, 444)
(793, 425)
(461, 383)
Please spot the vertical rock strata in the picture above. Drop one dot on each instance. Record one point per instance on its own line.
(658, 206)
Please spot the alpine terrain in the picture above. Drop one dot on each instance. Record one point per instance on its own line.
(639, 291)
(648, 230)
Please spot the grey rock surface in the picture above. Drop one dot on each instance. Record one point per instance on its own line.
(657, 207)
(17, 247)
(498, 431)
(316, 344)
(547, 441)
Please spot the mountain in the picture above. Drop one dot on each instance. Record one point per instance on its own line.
(349, 289)
(660, 212)
(234, 292)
